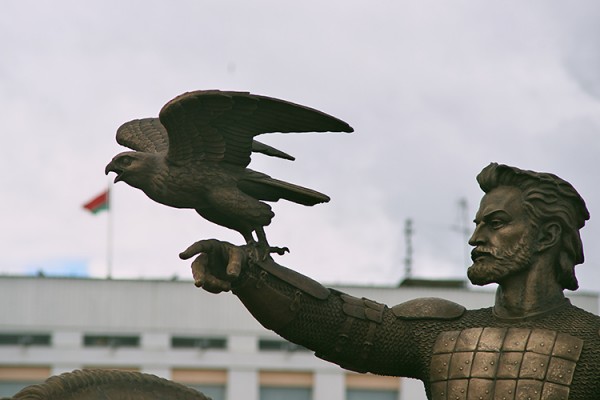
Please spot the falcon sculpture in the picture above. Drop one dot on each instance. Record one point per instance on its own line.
(195, 155)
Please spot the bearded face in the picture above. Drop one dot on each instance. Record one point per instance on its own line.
(494, 264)
(503, 239)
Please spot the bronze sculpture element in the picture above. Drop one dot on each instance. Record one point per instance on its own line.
(532, 344)
(196, 153)
(92, 384)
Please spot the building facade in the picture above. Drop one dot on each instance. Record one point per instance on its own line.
(172, 329)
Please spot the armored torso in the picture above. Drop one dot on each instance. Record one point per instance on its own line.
(503, 363)
(551, 357)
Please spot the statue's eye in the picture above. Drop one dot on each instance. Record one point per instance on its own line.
(496, 223)
(126, 161)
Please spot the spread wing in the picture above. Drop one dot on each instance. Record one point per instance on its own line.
(220, 126)
(149, 135)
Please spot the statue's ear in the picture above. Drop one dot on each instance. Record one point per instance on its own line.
(548, 236)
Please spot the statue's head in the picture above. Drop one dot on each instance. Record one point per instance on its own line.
(546, 214)
(134, 167)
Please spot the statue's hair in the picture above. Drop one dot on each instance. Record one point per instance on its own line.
(92, 384)
(546, 198)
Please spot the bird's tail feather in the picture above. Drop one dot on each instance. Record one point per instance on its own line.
(273, 189)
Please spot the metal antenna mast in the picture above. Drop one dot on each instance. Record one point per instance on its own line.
(463, 226)
(408, 260)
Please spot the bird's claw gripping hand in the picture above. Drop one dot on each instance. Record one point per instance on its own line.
(217, 264)
(259, 252)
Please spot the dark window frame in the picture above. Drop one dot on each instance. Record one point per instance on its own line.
(25, 339)
(199, 342)
(111, 341)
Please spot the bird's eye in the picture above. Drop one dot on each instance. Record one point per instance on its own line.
(126, 161)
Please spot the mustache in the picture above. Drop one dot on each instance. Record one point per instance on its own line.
(483, 251)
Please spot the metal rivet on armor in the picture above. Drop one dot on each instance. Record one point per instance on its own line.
(445, 364)
(462, 390)
(466, 362)
(542, 344)
(461, 368)
(491, 363)
(568, 351)
(535, 370)
(485, 368)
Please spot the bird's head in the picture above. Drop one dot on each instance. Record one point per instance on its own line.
(132, 167)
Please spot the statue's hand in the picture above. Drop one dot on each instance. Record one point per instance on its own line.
(217, 264)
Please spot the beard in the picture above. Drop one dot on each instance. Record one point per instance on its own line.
(500, 263)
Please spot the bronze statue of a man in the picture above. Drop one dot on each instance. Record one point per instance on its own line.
(532, 344)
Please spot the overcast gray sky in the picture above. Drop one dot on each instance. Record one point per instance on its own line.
(435, 90)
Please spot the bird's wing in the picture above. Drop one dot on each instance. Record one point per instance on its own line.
(147, 135)
(219, 126)
(258, 147)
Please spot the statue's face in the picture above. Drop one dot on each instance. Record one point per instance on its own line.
(502, 238)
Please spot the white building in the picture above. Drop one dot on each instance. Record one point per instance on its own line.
(172, 329)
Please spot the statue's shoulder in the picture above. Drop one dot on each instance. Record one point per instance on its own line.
(428, 308)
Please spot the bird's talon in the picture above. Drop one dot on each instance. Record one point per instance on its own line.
(279, 250)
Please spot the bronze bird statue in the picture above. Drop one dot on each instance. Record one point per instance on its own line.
(195, 155)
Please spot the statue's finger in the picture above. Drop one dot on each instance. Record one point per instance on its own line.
(213, 284)
(236, 258)
(200, 269)
(202, 246)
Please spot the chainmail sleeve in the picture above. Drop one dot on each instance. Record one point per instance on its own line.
(470, 354)
(357, 334)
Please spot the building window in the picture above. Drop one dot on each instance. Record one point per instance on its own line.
(210, 382)
(371, 394)
(276, 385)
(25, 339)
(287, 393)
(372, 387)
(187, 342)
(13, 379)
(279, 345)
(113, 341)
(215, 392)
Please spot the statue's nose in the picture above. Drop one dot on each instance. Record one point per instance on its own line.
(477, 237)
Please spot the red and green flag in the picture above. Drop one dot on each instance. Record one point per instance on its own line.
(98, 203)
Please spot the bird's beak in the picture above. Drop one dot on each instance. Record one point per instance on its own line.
(111, 167)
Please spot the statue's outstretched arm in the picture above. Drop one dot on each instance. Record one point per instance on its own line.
(357, 334)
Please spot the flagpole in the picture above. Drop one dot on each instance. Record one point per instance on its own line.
(109, 247)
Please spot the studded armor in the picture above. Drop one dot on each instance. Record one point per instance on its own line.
(458, 354)
(503, 363)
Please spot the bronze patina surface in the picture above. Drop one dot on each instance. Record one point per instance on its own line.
(531, 344)
(195, 154)
(97, 384)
